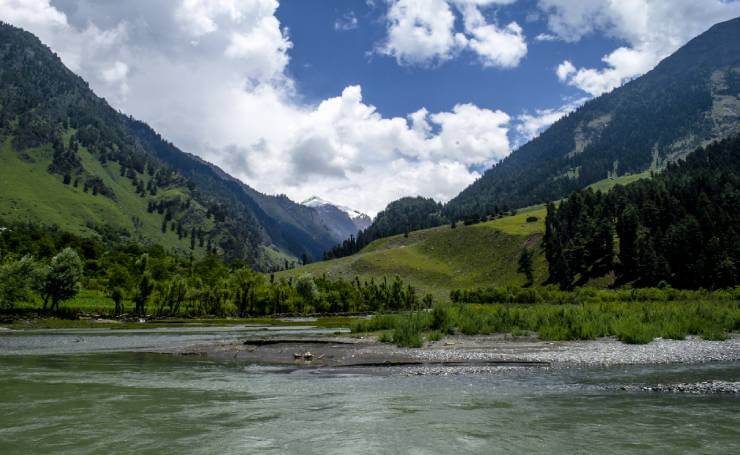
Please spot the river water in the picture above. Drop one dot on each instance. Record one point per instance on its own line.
(98, 391)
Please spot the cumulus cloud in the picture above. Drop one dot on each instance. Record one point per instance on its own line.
(653, 30)
(502, 47)
(423, 32)
(211, 77)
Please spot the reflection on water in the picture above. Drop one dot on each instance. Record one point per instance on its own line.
(134, 402)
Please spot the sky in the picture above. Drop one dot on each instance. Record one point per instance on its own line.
(359, 102)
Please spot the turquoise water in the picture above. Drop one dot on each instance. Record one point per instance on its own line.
(119, 401)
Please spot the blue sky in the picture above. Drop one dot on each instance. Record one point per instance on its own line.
(325, 59)
(359, 102)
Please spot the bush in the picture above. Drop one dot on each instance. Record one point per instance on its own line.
(631, 331)
(441, 319)
(407, 332)
(554, 332)
(435, 335)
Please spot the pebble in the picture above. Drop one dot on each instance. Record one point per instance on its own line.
(602, 352)
(705, 387)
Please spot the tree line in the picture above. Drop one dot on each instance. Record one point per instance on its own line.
(48, 266)
(680, 228)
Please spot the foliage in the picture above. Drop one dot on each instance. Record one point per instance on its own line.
(117, 268)
(525, 265)
(60, 280)
(635, 322)
(553, 295)
(680, 228)
(16, 281)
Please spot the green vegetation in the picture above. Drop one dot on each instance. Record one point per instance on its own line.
(636, 322)
(438, 260)
(607, 184)
(679, 228)
(400, 217)
(41, 266)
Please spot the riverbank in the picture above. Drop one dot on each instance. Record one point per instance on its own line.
(463, 352)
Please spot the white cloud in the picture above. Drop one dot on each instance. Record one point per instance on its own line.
(115, 75)
(346, 22)
(545, 37)
(565, 70)
(210, 76)
(502, 47)
(653, 30)
(423, 32)
(530, 126)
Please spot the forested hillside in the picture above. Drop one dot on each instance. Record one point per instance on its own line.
(69, 159)
(688, 100)
(401, 216)
(681, 228)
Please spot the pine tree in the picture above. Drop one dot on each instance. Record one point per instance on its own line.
(526, 266)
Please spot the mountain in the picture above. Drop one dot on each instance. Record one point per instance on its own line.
(343, 222)
(67, 158)
(688, 100)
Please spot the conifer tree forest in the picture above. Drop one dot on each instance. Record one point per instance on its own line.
(679, 228)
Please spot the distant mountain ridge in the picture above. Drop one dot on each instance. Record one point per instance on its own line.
(688, 100)
(342, 221)
(68, 158)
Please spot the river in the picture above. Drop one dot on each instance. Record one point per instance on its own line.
(100, 391)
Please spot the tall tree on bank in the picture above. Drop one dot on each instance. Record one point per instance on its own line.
(60, 281)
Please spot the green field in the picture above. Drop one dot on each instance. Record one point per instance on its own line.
(440, 259)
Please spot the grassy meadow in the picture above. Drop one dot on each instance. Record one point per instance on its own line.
(438, 260)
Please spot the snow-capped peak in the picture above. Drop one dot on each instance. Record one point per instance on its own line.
(315, 201)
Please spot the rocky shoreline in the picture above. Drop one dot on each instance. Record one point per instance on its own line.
(464, 351)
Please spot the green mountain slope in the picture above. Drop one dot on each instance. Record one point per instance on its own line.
(29, 193)
(69, 159)
(688, 100)
(441, 259)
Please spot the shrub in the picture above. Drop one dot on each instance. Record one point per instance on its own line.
(435, 335)
(407, 332)
(631, 331)
(441, 319)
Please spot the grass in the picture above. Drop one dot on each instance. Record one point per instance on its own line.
(607, 184)
(441, 259)
(630, 322)
(28, 192)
